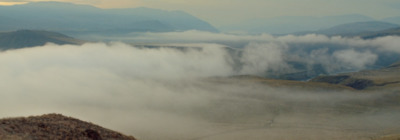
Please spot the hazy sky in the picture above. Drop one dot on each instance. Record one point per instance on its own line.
(222, 12)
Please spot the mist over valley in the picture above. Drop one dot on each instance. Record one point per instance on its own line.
(156, 74)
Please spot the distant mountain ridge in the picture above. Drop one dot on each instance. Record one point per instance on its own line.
(29, 38)
(293, 24)
(354, 29)
(395, 20)
(388, 32)
(77, 19)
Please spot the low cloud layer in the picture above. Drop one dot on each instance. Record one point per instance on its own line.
(383, 43)
(355, 59)
(121, 59)
(287, 54)
(177, 93)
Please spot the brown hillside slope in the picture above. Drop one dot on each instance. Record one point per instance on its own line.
(388, 77)
(389, 137)
(55, 127)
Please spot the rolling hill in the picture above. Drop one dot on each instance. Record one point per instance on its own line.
(384, 78)
(388, 77)
(72, 19)
(328, 107)
(30, 38)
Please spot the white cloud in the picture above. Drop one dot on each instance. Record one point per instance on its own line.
(356, 59)
(310, 49)
(258, 58)
(386, 43)
(123, 59)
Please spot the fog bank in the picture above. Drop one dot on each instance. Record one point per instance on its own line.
(286, 56)
(175, 93)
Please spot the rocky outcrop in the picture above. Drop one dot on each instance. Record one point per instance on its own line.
(55, 127)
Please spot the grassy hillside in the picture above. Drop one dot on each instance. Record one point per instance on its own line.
(367, 79)
(285, 109)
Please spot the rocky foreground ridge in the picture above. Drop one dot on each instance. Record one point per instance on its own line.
(55, 127)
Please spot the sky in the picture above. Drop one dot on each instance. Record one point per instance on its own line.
(224, 12)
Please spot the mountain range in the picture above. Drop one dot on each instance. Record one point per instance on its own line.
(365, 30)
(354, 29)
(395, 20)
(388, 32)
(292, 24)
(330, 25)
(73, 19)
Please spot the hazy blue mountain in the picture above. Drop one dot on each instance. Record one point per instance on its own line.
(354, 29)
(292, 24)
(388, 32)
(30, 38)
(78, 19)
(395, 20)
